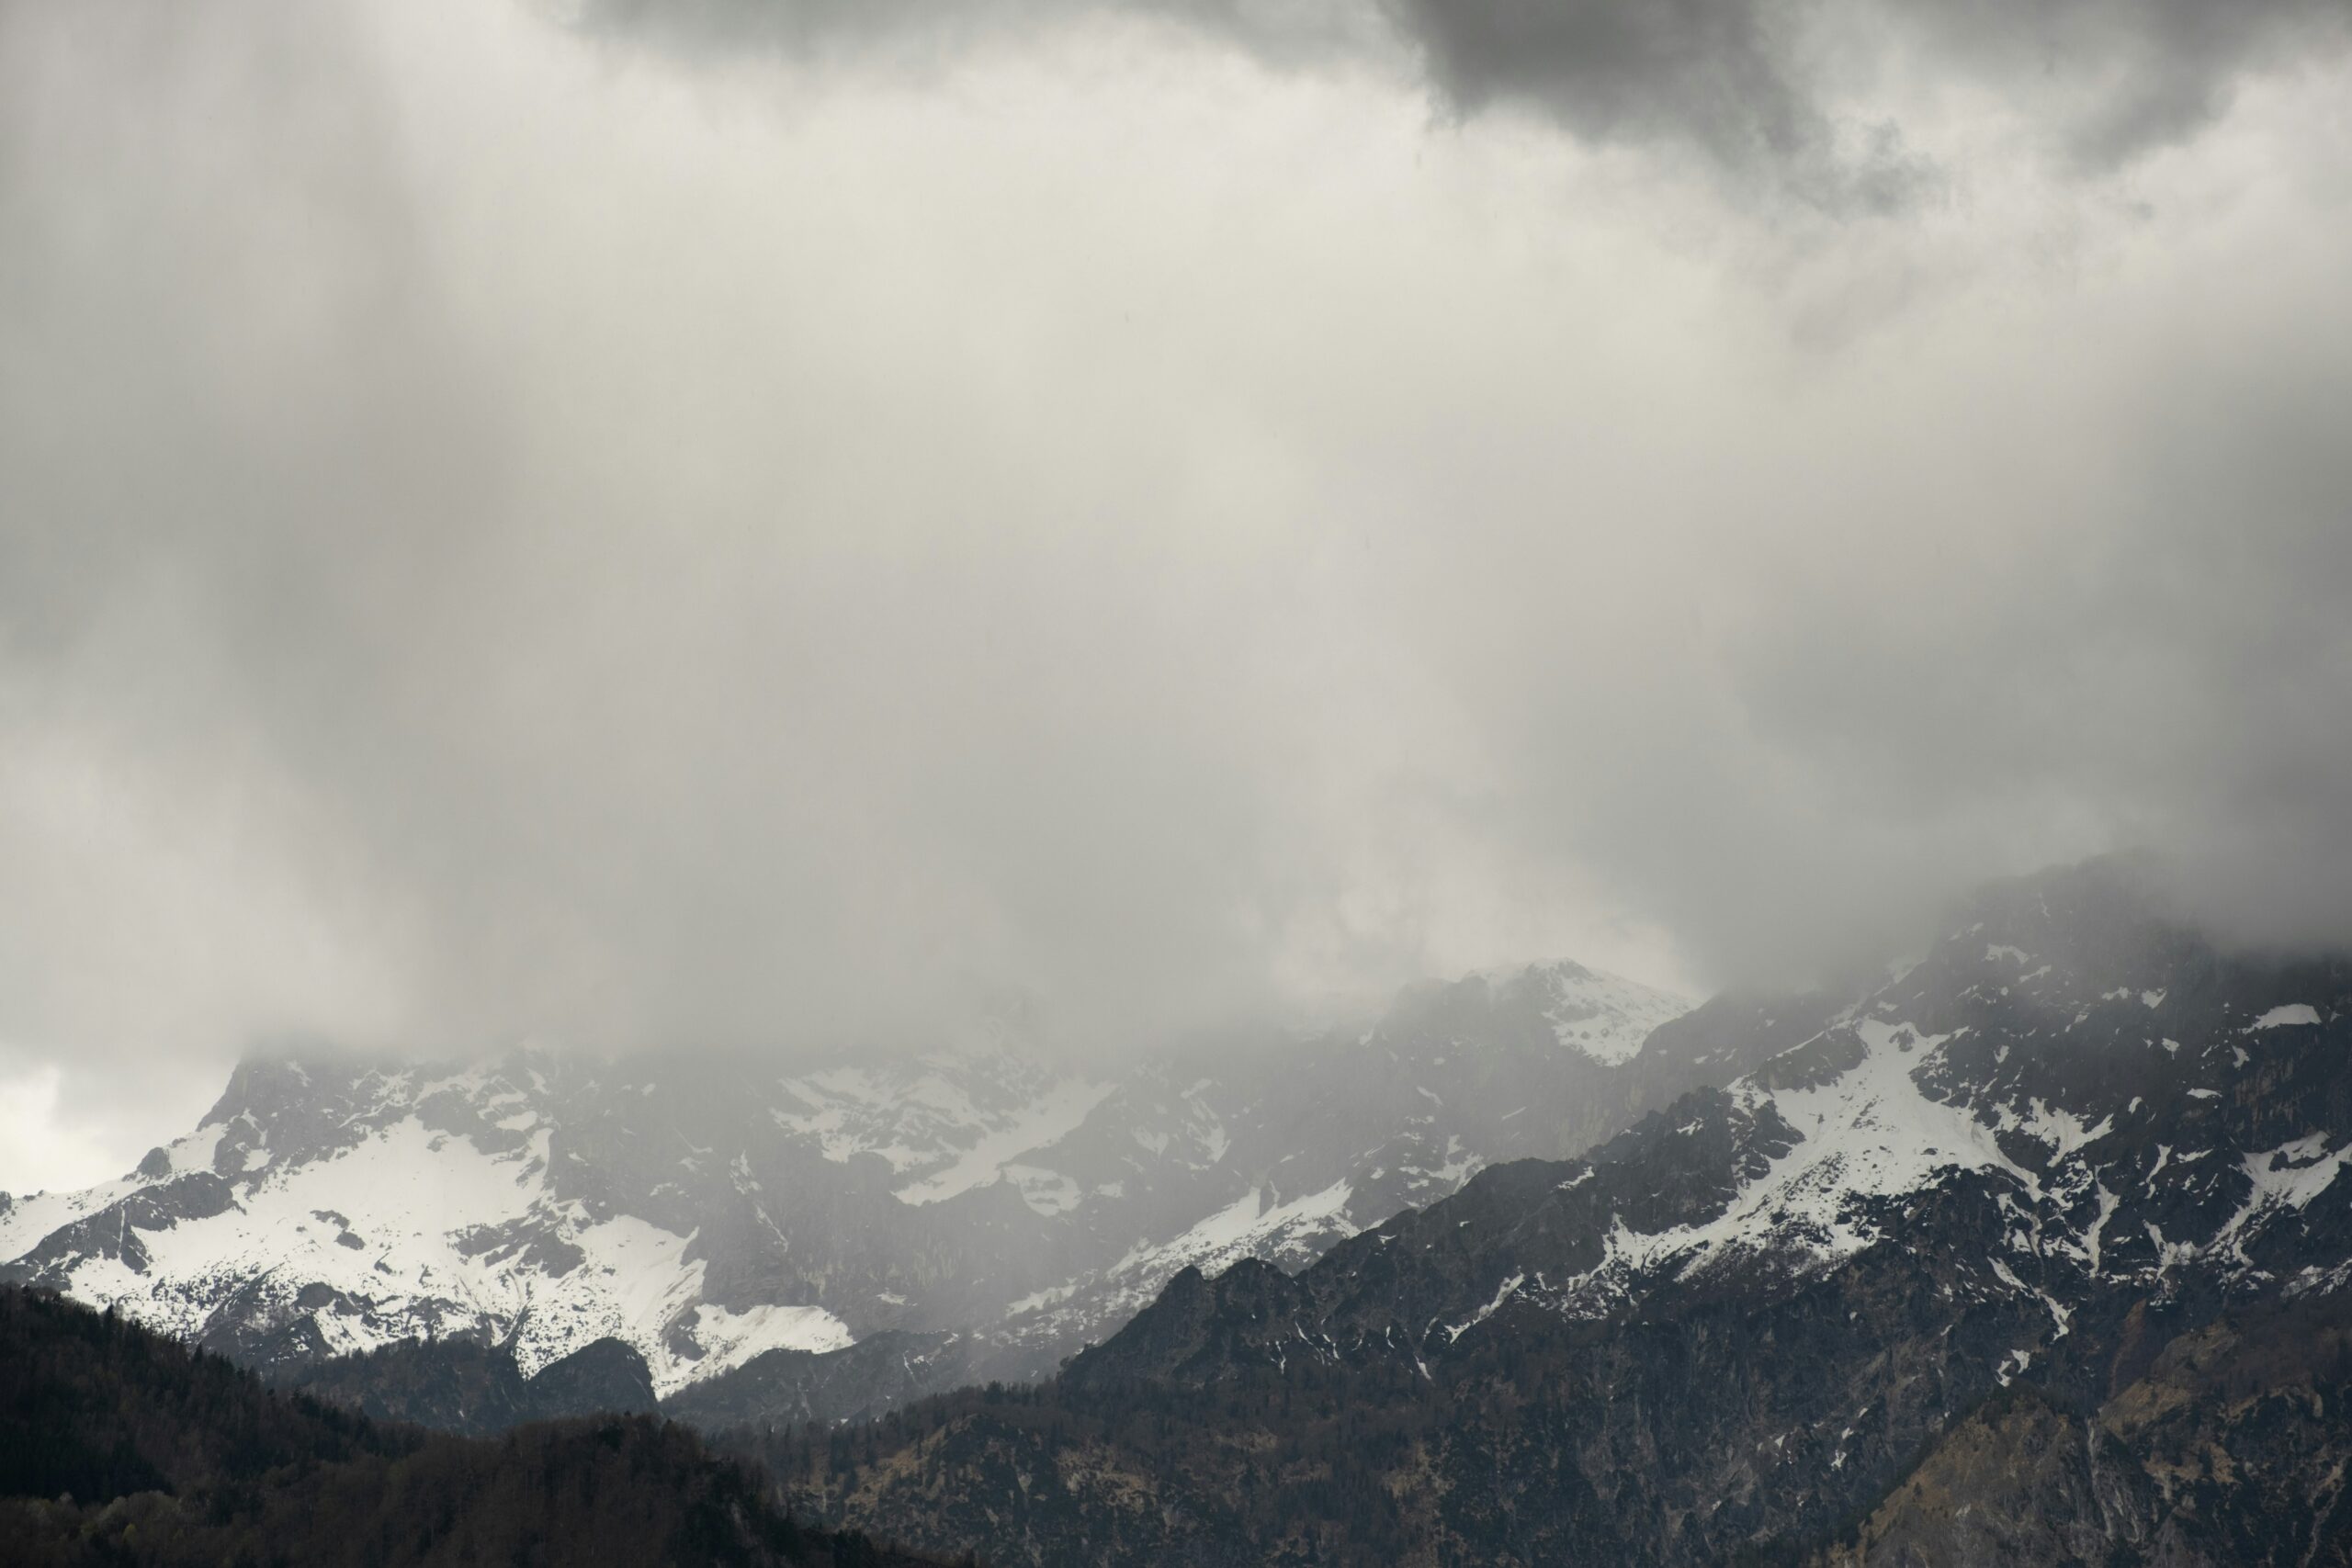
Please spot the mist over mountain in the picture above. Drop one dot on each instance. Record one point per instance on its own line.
(2034, 1254)
(766, 1246)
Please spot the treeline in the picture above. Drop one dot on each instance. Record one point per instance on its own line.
(477, 1390)
(122, 1446)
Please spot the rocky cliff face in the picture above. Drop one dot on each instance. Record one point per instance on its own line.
(2231, 1447)
(749, 1233)
(2070, 1139)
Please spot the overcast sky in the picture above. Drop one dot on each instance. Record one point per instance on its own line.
(778, 522)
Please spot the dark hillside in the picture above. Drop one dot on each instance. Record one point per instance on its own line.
(120, 1447)
(476, 1390)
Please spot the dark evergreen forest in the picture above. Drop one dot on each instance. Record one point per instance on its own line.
(123, 1448)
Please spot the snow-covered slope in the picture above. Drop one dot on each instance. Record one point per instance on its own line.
(421, 1203)
(1601, 1016)
(709, 1211)
(2073, 1104)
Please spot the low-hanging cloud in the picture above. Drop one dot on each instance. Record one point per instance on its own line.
(501, 535)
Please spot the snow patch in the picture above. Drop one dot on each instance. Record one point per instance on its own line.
(729, 1338)
(1603, 1016)
(1046, 1121)
(1870, 1132)
(1248, 1226)
(1503, 1293)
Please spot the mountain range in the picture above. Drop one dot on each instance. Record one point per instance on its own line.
(2028, 1250)
(830, 1240)
(2032, 1254)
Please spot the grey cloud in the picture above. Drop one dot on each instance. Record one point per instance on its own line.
(2117, 78)
(498, 537)
(2074, 624)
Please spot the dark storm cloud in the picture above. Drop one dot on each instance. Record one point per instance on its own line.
(1707, 76)
(1747, 79)
(1702, 68)
(1760, 89)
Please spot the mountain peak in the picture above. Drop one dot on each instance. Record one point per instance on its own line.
(1568, 1005)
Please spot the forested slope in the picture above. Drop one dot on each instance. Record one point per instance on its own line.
(120, 1447)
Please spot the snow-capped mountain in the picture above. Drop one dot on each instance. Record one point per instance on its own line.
(2122, 1109)
(2077, 1154)
(711, 1212)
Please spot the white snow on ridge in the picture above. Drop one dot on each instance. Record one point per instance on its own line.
(1606, 1016)
(194, 1153)
(2288, 1177)
(1503, 1293)
(1046, 1120)
(1251, 1226)
(1869, 1133)
(386, 1223)
(635, 1285)
(947, 1123)
(2295, 1173)
(729, 1339)
(1243, 1228)
(36, 1214)
(405, 1194)
(1872, 1132)
(2062, 1130)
